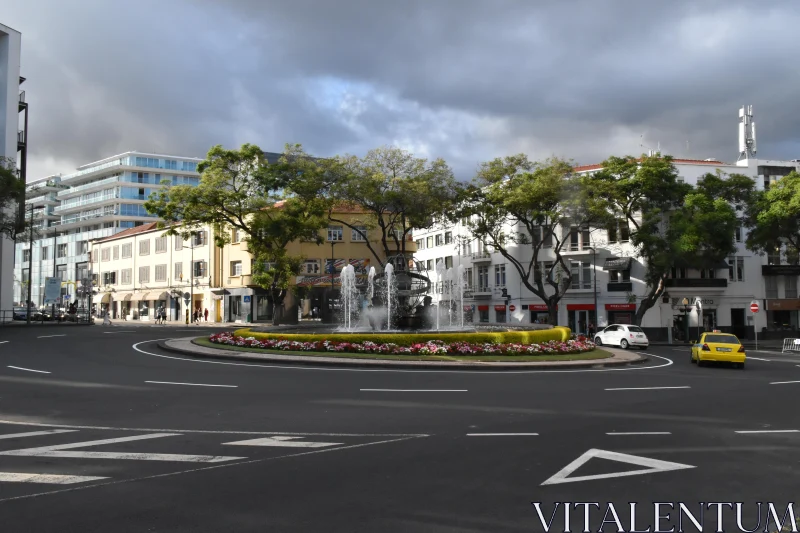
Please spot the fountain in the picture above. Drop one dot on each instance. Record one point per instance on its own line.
(371, 285)
(349, 297)
(449, 282)
(460, 292)
(389, 272)
(440, 271)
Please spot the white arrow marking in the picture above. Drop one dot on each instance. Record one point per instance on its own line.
(56, 451)
(36, 433)
(283, 442)
(652, 466)
(50, 479)
(28, 369)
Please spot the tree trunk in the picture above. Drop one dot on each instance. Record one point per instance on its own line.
(278, 296)
(650, 300)
(552, 310)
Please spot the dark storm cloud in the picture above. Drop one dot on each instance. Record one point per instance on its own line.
(464, 80)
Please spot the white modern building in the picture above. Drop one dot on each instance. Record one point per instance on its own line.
(607, 276)
(13, 140)
(99, 200)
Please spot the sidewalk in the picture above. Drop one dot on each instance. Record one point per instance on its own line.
(186, 346)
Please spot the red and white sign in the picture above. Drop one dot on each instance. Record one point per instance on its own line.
(754, 307)
(537, 307)
(483, 308)
(499, 307)
(620, 307)
(580, 307)
(467, 308)
(512, 307)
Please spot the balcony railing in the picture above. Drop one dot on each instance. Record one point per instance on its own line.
(481, 256)
(80, 203)
(22, 97)
(92, 185)
(690, 283)
(21, 137)
(81, 218)
(620, 286)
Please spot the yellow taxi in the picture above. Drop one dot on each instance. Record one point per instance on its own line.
(718, 347)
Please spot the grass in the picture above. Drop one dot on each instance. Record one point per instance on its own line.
(594, 354)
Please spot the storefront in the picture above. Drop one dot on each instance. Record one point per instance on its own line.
(581, 317)
(483, 313)
(782, 315)
(621, 313)
(500, 313)
(539, 313)
(467, 310)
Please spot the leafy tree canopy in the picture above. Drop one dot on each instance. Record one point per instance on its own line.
(773, 218)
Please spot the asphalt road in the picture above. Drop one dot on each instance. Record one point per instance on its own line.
(102, 431)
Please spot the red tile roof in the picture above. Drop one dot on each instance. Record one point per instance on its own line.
(144, 228)
(714, 162)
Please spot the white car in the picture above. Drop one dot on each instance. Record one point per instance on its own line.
(622, 335)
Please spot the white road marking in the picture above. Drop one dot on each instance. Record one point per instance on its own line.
(651, 388)
(205, 468)
(36, 433)
(652, 466)
(28, 369)
(400, 371)
(191, 384)
(758, 358)
(212, 432)
(50, 479)
(48, 336)
(3, 342)
(124, 331)
(772, 431)
(783, 382)
(639, 433)
(57, 451)
(502, 434)
(413, 390)
(283, 442)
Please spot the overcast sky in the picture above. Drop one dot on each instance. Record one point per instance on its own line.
(459, 79)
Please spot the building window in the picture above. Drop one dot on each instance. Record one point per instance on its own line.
(116, 252)
(26, 255)
(771, 285)
(199, 269)
(790, 286)
(235, 235)
(161, 245)
(738, 233)
(774, 257)
(178, 242)
(356, 234)
(484, 315)
(236, 268)
(616, 276)
(448, 261)
(61, 272)
(467, 277)
(736, 269)
(144, 247)
(179, 271)
(429, 265)
(127, 250)
(483, 279)
(439, 239)
(144, 274)
(83, 247)
(45, 253)
(500, 316)
(500, 276)
(105, 254)
(448, 237)
(199, 238)
(429, 242)
(311, 266)
(619, 231)
(420, 244)
(335, 233)
(61, 251)
(707, 273)
(125, 274)
(161, 272)
(581, 274)
(109, 278)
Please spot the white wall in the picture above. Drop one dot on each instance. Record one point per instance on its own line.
(10, 47)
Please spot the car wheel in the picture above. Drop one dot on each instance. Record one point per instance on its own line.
(691, 358)
(741, 366)
(699, 361)
(598, 341)
(623, 344)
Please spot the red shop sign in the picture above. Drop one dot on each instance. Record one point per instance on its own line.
(467, 308)
(499, 307)
(620, 307)
(539, 307)
(483, 308)
(580, 307)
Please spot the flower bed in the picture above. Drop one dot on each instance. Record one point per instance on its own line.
(578, 345)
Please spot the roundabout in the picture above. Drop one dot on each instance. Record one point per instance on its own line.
(102, 429)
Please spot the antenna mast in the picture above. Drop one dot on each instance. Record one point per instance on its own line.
(747, 133)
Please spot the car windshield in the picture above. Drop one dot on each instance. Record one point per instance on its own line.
(722, 339)
(635, 329)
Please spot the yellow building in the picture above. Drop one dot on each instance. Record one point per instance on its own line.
(318, 283)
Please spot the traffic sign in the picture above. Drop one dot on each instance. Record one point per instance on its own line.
(754, 306)
(512, 307)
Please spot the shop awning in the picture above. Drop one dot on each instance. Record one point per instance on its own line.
(220, 292)
(138, 297)
(127, 298)
(618, 263)
(700, 263)
(161, 296)
(106, 298)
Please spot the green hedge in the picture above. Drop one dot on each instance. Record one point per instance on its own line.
(538, 336)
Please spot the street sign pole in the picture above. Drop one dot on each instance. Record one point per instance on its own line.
(754, 309)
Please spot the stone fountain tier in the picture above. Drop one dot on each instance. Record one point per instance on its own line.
(318, 328)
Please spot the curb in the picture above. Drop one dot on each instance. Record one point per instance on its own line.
(373, 363)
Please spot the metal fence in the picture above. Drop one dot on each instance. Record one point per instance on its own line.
(791, 346)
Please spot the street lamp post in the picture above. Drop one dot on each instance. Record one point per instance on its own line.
(685, 303)
(30, 268)
(333, 270)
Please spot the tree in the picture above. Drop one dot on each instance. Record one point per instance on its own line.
(12, 198)
(773, 219)
(670, 222)
(520, 208)
(392, 191)
(271, 204)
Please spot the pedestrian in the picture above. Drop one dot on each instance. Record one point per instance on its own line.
(197, 316)
(206, 314)
(163, 315)
(158, 314)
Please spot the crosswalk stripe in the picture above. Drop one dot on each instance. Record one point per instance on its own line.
(49, 479)
(283, 442)
(36, 433)
(57, 451)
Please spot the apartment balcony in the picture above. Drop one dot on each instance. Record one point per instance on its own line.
(244, 280)
(575, 250)
(696, 283)
(22, 139)
(620, 286)
(67, 207)
(481, 257)
(75, 221)
(99, 184)
(478, 291)
(42, 200)
(22, 103)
